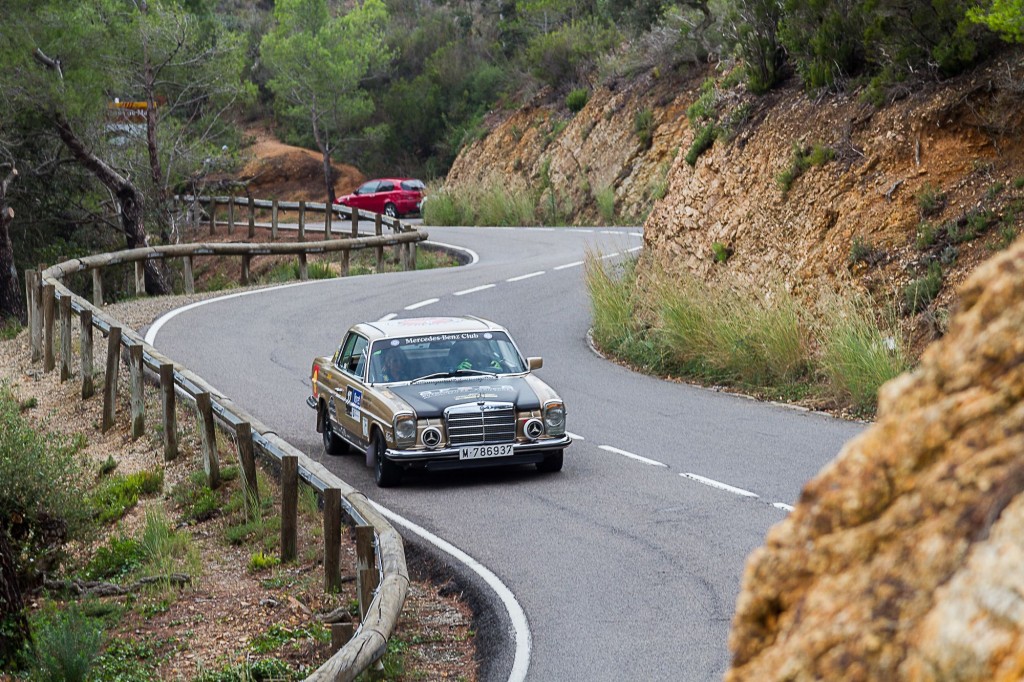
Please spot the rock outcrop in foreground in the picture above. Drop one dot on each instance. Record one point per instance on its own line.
(904, 558)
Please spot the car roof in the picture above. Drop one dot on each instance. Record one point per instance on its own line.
(395, 179)
(420, 326)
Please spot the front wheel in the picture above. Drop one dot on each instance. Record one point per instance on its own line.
(390, 210)
(385, 472)
(551, 463)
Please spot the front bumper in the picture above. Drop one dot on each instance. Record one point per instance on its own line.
(448, 458)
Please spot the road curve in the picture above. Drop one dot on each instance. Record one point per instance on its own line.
(626, 564)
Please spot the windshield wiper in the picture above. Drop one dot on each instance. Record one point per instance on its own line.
(453, 373)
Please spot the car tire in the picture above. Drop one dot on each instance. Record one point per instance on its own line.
(333, 445)
(386, 473)
(551, 463)
(390, 210)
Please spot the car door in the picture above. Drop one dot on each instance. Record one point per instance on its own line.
(351, 366)
(364, 197)
(383, 195)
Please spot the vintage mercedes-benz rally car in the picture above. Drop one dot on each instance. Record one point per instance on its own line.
(436, 393)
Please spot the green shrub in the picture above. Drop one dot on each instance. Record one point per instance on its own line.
(166, 549)
(702, 142)
(320, 270)
(259, 561)
(643, 127)
(856, 354)
(605, 199)
(119, 494)
(930, 200)
(66, 645)
(577, 99)
(919, 293)
(119, 557)
(9, 328)
(928, 234)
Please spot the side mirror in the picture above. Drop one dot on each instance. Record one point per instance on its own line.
(535, 363)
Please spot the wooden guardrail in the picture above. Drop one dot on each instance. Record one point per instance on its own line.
(382, 574)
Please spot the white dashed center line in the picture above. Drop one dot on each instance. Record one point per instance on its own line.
(414, 306)
(574, 264)
(609, 448)
(721, 486)
(473, 290)
(634, 249)
(783, 506)
(574, 436)
(527, 276)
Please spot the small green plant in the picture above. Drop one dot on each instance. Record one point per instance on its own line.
(9, 329)
(253, 671)
(125, 659)
(919, 293)
(280, 635)
(259, 561)
(702, 142)
(721, 252)
(928, 234)
(108, 465)
(1018, 182)
(930, 200)
(167, 550)
(319, 269)
(995, 190)
(118, 558)
(121, 493)
(801, 160)
(605, 199)
(577, 99)
(860, 250)
(643, 127)
(26, 405)
(67, 644)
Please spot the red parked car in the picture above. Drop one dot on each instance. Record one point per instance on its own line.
(395, 197)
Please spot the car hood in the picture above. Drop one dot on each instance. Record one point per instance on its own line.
(429, 398)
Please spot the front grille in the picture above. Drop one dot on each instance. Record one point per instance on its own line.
(481, 423)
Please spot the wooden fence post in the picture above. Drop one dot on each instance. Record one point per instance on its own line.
(190, 279)
(355, 222)
(273, 221)
(302, 221)
(345, 262)
(328, 219)
(208, 439)
(367, 576)
(168, 399)
(85, 340)
(29, 308)
(136, 376)
(247, 459)
(332, 539)
(213, 215)
(378, 230)
(97, 287)
(303, 267)
(65, 338)
(140, 278)
(48, 360)
(110, 378)
(252, 217)
(244, 278)
(36, 332)
(289, 507)
(412, 255)
(341, 633)
(231, 213)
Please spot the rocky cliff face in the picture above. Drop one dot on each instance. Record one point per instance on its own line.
(853, 220)
(902, 559)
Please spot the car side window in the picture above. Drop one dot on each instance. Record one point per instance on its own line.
(368, 187)
(386, 187)
(353, 357)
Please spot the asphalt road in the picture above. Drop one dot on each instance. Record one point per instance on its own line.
(627, 563)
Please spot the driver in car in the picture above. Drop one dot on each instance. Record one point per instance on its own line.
(475, 356)
(392, 365)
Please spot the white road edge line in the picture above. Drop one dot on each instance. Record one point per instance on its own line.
(721, 486)
(783, 506)
(414, 306)
(574, 264)
(527, 276)
(610, 255)
(474, 257)
(473, 290)
(520, 625)
(652, 462)
(634, 249)
(574, 436)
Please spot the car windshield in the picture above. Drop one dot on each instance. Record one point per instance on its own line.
(464, 353)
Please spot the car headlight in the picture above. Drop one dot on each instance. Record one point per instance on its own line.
(554, 419)
(405, 430)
